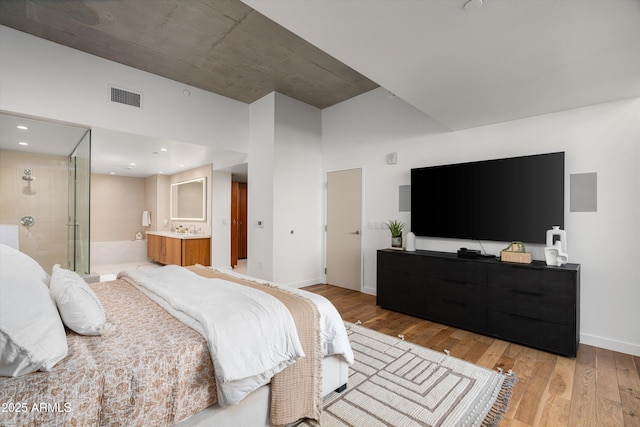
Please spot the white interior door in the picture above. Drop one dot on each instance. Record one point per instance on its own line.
(344, 219)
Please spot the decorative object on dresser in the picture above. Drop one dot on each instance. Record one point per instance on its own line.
(411, 242)
(515, 252)
(555, 253)
(530, 304)
(395, 227)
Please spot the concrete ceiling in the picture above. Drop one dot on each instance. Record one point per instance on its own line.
(222, 46)
(496, 60)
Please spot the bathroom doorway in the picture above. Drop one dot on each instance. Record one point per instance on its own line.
(239, 224)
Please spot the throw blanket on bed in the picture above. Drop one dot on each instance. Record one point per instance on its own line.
(296, 392)
(254, 331)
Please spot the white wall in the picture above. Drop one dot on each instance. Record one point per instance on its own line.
(298, 187)
(44, 79)
(285, 191)
(260, 188)
(602, 138)
(220, 220)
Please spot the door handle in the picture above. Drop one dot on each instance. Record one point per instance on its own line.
(355, 232)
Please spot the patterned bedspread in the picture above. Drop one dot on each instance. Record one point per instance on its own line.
(150, 370)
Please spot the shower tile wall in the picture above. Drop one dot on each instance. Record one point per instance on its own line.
(117, 203)
(45, 199)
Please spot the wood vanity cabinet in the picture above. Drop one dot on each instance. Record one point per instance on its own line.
(174, 250)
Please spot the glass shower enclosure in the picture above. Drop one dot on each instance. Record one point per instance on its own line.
(45, 178)
(79, 209)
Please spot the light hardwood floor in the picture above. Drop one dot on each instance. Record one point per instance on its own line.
(598, 388)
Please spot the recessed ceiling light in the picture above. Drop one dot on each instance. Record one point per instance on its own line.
(163, 149)
(160, 172)
(181, 166)
(112, 173)
(23, 143)
(22, 127)
(132, 164)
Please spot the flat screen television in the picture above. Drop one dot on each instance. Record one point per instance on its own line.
(512, 199)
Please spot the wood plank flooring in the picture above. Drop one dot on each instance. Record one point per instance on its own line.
(598, 388)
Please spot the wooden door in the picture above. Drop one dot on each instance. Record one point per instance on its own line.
(238, 222)
(242, 220)
(153, 246)
(235, 189)
(171, 251)
(344, 219)
(196, 251)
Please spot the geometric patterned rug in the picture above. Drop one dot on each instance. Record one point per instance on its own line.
(397, 383)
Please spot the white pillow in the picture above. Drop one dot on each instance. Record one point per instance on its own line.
(32, 336)
(79, 306)
(24, 262)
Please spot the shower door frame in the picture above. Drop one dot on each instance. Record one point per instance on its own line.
(78, 225)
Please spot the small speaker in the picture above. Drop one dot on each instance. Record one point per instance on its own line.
(583, 192)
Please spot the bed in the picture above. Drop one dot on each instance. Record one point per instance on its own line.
(150, 365)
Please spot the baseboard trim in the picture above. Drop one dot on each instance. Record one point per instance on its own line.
(609, 344)
(369, 291)
(304, 283)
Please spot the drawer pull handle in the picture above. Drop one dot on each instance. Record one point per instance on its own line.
(531, 319)
(531, 294)
(448, 301)
(401, 273)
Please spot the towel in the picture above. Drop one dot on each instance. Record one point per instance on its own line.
(146, 218)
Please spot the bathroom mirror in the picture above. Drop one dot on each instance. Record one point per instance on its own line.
(188, 200)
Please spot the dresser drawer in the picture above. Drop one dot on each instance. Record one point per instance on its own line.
(454, 313)
(535, 333)
(533, 305)
(462, 293)
(400, 281)
(457, 270)
(400, 293)
(551, 282)
(401, 263)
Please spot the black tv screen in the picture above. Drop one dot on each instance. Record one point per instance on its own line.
(514, 199)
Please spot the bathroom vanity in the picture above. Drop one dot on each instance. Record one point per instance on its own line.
(168, 247)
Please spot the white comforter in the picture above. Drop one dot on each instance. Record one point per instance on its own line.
(335, 340)
(251, 335)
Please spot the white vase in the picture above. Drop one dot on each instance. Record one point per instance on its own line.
(554, 256)
(411, 242)
(556, 234)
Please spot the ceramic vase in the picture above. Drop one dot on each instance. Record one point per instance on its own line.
(556, 234)
(411, 242)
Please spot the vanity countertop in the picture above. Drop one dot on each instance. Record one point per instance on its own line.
(183, 236)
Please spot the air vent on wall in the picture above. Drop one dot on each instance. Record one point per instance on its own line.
(126, 97)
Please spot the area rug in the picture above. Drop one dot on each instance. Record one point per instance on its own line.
(397, 383)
